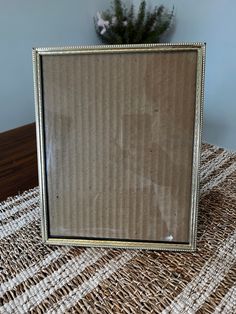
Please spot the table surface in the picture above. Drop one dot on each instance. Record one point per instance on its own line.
(39, 278)
(18, 160)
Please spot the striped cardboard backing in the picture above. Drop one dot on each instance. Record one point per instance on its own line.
(119, 138)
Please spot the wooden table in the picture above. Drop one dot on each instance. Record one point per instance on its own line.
(18, 160)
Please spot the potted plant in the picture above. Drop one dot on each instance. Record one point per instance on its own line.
(120, 24)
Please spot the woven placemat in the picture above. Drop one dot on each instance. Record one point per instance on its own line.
(36, 278)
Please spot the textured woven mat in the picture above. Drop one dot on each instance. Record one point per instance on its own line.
(36, 278)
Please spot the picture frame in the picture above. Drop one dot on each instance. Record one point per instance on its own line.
(119, 143)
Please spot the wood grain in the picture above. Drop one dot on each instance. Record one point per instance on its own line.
(18, 161)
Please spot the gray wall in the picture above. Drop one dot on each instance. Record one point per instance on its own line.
(36, 23)
(214, 22)
(29, 23)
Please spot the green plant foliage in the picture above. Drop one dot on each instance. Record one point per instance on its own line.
(120, 25)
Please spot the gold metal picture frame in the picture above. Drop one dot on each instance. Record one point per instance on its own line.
(118, 141)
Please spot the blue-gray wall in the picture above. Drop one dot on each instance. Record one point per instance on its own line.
(36, 23)
(29, 23)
